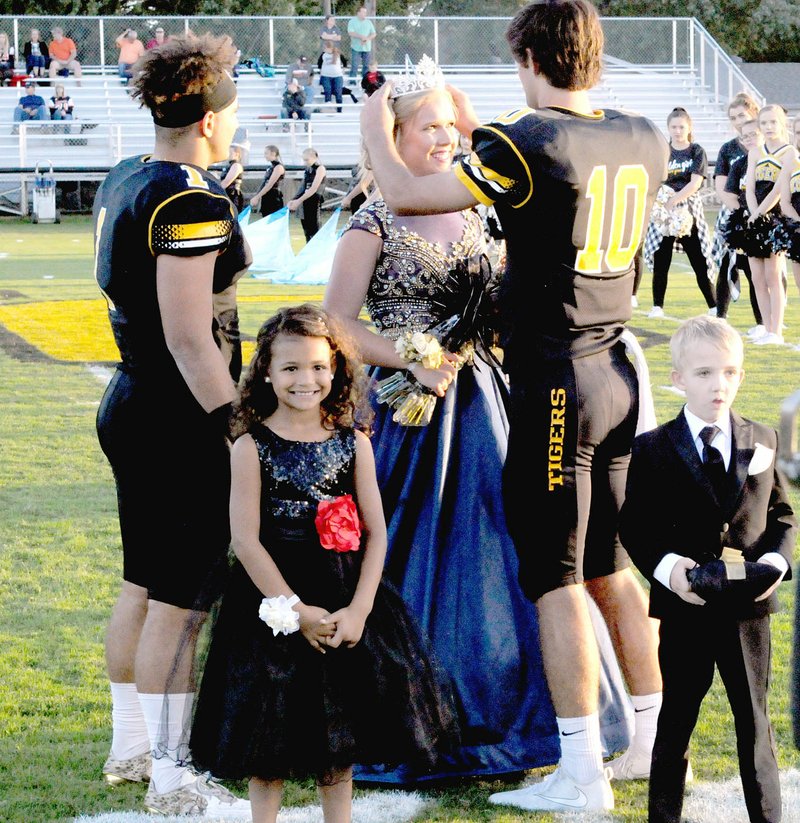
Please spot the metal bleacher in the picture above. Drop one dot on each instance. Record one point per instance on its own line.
(109, 125)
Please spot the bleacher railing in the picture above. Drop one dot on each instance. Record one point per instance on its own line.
(676, 42)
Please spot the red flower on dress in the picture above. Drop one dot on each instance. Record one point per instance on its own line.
(338, 524)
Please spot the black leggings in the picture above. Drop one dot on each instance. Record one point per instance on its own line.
(661, 262)
(724, 287)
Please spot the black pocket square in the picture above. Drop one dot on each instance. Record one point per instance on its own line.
(711, 582)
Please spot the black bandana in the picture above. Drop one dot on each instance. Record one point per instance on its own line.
(191, 108)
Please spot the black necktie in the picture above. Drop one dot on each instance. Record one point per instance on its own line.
(713, 464)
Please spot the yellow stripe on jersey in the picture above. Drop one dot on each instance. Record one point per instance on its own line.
(794, 182)
(508, 118)
(521, 160)
(210, 235)
(473, 188)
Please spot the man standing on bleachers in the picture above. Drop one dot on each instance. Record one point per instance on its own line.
(63, 55)
(362, 33)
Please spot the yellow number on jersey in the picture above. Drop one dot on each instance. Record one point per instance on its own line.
(101, 218)
(194, 179)
(619, 254)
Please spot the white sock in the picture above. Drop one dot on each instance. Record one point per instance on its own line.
(581, 749)
(129, 729)
(166, 774)
(645, 719)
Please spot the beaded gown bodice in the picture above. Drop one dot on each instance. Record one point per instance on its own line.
(296, 475)
(411, 275)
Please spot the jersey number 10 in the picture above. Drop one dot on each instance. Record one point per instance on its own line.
(626, 225)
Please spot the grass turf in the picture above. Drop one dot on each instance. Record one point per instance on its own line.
(60, 556)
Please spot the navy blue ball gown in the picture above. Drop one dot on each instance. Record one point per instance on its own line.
(450, 554)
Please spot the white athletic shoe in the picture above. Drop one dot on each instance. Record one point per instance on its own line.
(712, 312)
(634, 301)
(756, 332)
(769, 339)
(558, 792)
(632, 765)
(202, 797)
(656, 311)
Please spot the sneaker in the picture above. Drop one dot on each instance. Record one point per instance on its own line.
(755, 332)
(769, 339)
(656, 311)
(134, 770)
(634, 301)
(632, 765)
(558, 792)
(203, 797)
(712, 312)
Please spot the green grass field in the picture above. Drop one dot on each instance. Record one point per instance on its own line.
(60, 555)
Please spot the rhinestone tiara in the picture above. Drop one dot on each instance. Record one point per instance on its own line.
(426, 75)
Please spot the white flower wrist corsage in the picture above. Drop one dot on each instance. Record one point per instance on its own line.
(278, 614)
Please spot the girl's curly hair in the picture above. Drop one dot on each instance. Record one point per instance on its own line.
(181, 65)
(345, 406)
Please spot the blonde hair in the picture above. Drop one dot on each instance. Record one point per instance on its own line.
(704, 329)
(780, 112)
(404, 107)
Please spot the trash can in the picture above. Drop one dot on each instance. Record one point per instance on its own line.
(44, 198)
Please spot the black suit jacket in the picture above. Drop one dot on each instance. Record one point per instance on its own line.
(670, 506)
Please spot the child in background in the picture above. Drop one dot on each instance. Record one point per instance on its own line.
(764, 165)
(700, 485)
(789, 187)
(339, 673)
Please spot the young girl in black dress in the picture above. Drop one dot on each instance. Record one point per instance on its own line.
(686, 170)
(339, 673)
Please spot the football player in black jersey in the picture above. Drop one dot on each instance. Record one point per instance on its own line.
(168, 253)
(573, 188)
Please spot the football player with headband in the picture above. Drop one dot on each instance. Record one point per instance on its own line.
(168, 253)
(573, 188)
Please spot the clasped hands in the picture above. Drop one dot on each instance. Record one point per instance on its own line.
(325, 630)
(679, 583)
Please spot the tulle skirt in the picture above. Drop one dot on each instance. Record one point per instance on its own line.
(273, 707)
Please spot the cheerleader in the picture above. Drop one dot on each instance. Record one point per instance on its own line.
(786, 236)
(678, 215)
(764, 165)
(730, 264)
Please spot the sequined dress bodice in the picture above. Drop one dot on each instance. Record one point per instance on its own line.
(411, 272)
(296, 475)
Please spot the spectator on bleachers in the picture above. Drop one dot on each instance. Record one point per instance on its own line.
(303, 72)
(30, 106)
(158, 37)
(329, 33)
(63, 55)
(131, 49)
(331, 74)
(373, 79)
(294, 101)
(6, 60)
(36, 55)
(362, 33)
(61, 105)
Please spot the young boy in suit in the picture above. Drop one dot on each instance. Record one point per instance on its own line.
(677, 514)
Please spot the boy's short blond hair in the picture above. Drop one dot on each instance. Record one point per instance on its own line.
(704, 328)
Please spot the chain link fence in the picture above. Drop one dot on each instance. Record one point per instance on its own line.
(451, 41)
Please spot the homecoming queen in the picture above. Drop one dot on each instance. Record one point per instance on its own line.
(440, 438)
